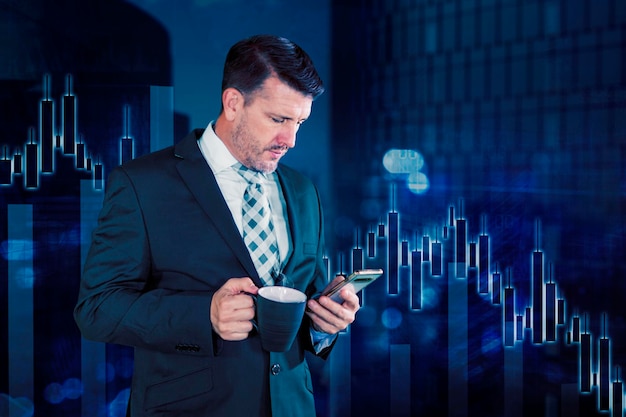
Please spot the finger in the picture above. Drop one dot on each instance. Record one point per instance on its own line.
(337, 279)
(234, 310)
(330, 313)
(244, 314)
(332, 305)
(239, 285)
(351, 300)
(323, 325)
(236, 331)
(240, 301)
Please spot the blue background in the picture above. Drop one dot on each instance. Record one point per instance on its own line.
(505, 114)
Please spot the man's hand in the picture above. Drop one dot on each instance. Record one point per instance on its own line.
(331, 317)
(232, 309)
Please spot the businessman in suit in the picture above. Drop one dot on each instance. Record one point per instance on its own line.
(169, 272)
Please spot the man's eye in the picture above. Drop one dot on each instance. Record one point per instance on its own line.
(278, 120)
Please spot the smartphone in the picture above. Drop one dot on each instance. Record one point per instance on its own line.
(359, 279)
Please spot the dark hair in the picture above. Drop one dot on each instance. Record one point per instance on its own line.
(251, 61)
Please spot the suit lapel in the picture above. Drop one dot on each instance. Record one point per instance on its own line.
(289, 193)
(198, 177)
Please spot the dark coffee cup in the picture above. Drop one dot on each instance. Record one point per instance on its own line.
(279, 312)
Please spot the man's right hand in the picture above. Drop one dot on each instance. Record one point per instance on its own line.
(232, 309)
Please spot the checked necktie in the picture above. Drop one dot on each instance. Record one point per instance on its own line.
(258, 229)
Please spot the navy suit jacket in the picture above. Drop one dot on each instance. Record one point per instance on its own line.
(165, 242)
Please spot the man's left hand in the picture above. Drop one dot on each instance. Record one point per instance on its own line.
(331, 317)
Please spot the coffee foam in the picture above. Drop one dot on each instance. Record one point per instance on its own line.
(282, 294)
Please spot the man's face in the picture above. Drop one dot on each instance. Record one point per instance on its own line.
(266, 128)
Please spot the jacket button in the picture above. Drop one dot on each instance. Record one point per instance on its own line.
(275, 369)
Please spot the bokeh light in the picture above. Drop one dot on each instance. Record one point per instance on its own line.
(392, 318)
(407, 161)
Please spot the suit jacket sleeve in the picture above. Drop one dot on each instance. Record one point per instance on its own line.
(117, 302)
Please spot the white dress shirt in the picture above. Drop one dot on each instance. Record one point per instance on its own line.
(233, 186)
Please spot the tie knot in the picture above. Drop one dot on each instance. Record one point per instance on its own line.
(248, 174)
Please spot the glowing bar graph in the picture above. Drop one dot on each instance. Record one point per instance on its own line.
(513, 381)
(39, 155)
(604, 373)
(47, 135)
(461, 248)
(509, 317)
(496, 286)
(20, 310)
(340, 394)
(541, 316)
(32, 166)
(585, 362)
(93, 354)
(98, 177)
(436, 264)
(537, 266)
(161, 120)
(5, 169)
(472, 255)
(371, 244)
(357, 258)
(326, 263)
(576, 329)
(551, 312)
(126, 143)
(416, 280)
(560, 312)
(392, 253)
(17, 164)
(126, 150)
(69, 124)
(472, 277)
(426, 248)
(449, 245)
(618, 399)
(519, 328)
(80, 155)
(404, 253)
(483, 267)
(400, 380)
(457, 344)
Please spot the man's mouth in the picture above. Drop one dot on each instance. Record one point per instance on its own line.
(278, 152)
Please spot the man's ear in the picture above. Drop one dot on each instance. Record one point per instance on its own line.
(232, 100)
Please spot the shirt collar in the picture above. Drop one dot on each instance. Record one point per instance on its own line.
(214, 151)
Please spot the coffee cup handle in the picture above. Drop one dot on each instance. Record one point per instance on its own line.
(253, 321)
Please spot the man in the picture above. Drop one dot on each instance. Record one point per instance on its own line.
(169, 271)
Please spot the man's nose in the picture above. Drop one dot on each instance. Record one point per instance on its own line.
(288, 135)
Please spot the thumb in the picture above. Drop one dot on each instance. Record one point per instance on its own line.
(239, 285)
